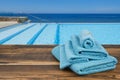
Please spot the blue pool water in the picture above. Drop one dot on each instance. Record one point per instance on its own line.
(58, 33)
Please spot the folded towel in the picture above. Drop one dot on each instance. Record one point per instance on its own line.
(94, 51)
(67, 59)
(56, 52)
(83, 55)
(59, 53)
(70, 56)
(63, 61)
(83, 68)
(94, 66)
(86, 39)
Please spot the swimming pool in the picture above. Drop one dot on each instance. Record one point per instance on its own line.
(58, 33)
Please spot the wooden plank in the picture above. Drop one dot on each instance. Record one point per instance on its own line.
(35, 62)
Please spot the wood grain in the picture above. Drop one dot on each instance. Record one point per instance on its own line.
(26, 62)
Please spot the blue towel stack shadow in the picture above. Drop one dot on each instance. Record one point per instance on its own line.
(83, 55)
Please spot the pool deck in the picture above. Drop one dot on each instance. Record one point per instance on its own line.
(35, 62)
(7, 23)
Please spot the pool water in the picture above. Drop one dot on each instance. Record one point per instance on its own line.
(58, 33)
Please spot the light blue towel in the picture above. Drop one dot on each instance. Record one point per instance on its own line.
(83, 68)
(71, 57)
(86, 40)
(56, 52)
(67, 61)
(63, 61)
(83, 55)
(94, 66)
(92, 50)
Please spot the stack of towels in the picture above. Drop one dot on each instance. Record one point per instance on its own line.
(83, 55)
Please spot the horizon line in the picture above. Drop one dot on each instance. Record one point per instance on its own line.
(52, 13)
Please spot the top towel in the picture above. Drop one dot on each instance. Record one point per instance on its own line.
(85, 44)
(86, 40)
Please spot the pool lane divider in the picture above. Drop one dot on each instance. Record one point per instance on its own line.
(57, 37)
(13, 35)
(32, 40)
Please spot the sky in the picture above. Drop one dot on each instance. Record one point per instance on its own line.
(60, 6)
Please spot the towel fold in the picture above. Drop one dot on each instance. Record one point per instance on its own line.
(83, 55)
(70, 56)
(56, 52)
(94, 66)
(63, 61)
(86, 40)
(68, 61)
(95, 50)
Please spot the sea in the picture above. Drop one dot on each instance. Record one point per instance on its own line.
(67, 18)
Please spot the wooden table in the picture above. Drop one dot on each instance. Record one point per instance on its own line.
(23, 62)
